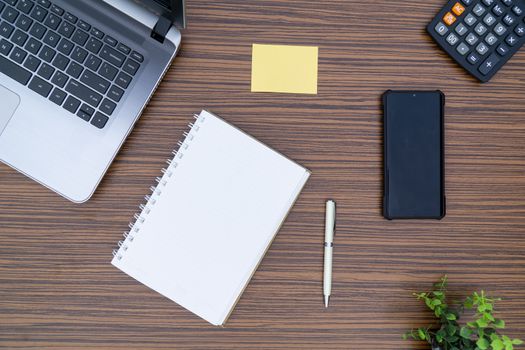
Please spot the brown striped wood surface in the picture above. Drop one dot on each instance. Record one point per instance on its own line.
(59, 291)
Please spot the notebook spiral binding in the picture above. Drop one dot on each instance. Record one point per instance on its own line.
(156, 191)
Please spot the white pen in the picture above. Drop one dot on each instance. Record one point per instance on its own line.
(329, 231)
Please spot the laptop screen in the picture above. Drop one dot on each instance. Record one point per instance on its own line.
(165, 3)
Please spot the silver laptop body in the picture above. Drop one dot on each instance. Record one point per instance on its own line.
(70, 152)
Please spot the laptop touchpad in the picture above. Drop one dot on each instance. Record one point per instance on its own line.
(9, 102)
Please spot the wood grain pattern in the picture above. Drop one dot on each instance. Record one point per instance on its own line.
(58, 290)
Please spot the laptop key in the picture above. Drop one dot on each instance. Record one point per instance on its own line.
(14, 71)
(70, 18)
(58, 10)
(108, 71)
(123, 80)
(74, 69)
(65, 46)
(38, 30)
(1, 6)
(115, 93)
(51, 38)
(19, 38)
(59, 79)
(66, 29)
(45, 3)
(57, 96)
(33, 46)
(5, 47)
(83, 115)
(25, 6)
(46, 71)
(47, 54)
(95, 82)
(123, 48)
(93, 62)
(107, 106)
(40, 86)
(137, 56)
(38, 13)
(79, 54)
(112, 56)
(110, 41)
(71, 104)
(18, 55)
(24, 22)
(52, 21)
(32, 63)
(131, 67)
(61, 61)
(84, 93)
(10, 14)
(87, 109)
(96, 33)
(6, 29)
(80, 37)
(99, 120)
(94, 45)
(83, 25)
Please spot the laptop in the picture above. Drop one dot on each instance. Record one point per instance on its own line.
(74, 78)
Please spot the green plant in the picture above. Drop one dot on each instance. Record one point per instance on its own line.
(480, 334)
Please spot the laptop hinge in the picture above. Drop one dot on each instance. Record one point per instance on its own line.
(161, 28)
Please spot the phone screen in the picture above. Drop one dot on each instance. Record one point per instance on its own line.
(414, 174)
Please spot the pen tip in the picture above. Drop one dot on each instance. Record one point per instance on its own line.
(326, 298)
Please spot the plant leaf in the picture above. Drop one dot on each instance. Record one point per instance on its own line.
(421, 334)
(517, 341)
(499, 323)
(465, 332)
(482, 343)
(451, 317)
(497, 344)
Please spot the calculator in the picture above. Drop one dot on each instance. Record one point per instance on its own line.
(481, 35)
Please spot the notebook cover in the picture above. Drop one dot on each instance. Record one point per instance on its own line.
(209, 222)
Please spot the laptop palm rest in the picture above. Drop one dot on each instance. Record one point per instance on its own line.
(9, 101)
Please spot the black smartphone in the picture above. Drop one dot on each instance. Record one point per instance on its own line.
(414, 155)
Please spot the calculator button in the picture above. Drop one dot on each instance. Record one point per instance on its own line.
(500, 29)
(473, 58)
(503, 49)
(491, 39)
(511, 40)
(470, 20)
(489, 64)
(482, 49)
(488, 2)
(489, 19)
(480, 29)
(509, 20)
(452, 39)
(478, 10)
(467, 2)
(498, 10)
(507, 2)
(520, 30)
(458, 9)
(471, 39)
(461, 29)
(462, 49)
(441, 29)
(517, 10)
(449, 18)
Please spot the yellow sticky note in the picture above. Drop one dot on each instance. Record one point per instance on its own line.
(284, 68)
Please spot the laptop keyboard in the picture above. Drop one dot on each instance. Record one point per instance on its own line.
(65, 59)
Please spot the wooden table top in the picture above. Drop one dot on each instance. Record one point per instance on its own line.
(59, 291)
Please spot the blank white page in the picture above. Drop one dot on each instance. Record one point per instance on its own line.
(212, 218)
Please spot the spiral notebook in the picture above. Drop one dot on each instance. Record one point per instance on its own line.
(207, 224)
